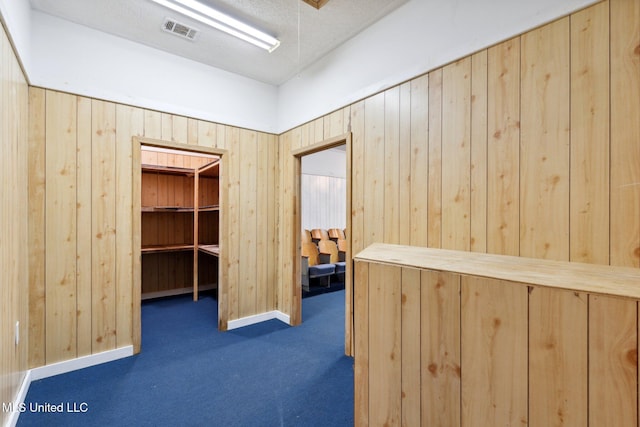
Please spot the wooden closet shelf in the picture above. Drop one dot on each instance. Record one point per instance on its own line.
(166, 209)
(209, 208)
(166, 248)
(210, 249)
(169, 169)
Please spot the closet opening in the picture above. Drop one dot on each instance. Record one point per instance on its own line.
(178, 217)
(322, 224)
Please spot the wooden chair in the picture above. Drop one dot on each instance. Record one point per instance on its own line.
(318, 234)
(306, 236)
(335, 234)
(329, 254)
(311, 266)
(342, 249)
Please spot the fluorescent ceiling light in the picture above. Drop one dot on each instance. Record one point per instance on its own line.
(222, 22)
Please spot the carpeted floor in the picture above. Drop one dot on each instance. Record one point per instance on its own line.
(189, 374)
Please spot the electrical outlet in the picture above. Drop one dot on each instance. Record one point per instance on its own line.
(17, 334)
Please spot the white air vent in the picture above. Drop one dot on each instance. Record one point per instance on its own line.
(174, 27)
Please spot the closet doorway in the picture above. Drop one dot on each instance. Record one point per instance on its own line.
(340, 141)
(178, 222)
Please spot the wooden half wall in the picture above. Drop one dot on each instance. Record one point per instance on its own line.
(80, 214)
(530, 148)
(454, 338)
(14, 176)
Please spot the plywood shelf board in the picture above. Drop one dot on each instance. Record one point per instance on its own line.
(166, 248)
(580, 277)
(168, 169)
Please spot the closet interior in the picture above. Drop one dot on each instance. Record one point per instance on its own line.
(180, 207)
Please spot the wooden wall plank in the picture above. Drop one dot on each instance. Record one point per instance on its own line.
(374, 169)
(419, 176)
(361, 343)
(503, 153)
(613, 361)
(404, 170)
(247, 291)
(411, 358)
(494, 351)
(456, 155)
(589, 192)
(544, 143)
(391, 171)
(152, 124)
(233, 141)
(60, 227)
(272, 223)
(625, 133)
(356, 234)
(557, 358)
(385, 351)
(103, 226)
(440, 348)
(36, 221)
(434, 184)
(262, 246)
(478, 197)
(84, 195)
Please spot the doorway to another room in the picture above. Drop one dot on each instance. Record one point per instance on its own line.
(322, 222)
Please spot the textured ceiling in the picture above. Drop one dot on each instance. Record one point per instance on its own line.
(320, 31)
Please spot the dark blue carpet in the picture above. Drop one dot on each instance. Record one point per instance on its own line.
(189, 374)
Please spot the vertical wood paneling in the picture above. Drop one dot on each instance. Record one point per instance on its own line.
(385, 370)
(434, 184)
(84, 194)
(404, 179)
(152, 124)
(589, 190)
(357, 235)
(410, 313)
(262, 280)
(233, 141)
(36, 220)
(544, 143)
(440, 348)
(503, 152)
(391, 171)
(374, 158)
(103, 226)
(557, 358)
(272, 224)
(130, 123)
(625, 133)
(613, 361)
(456, 155)
(248, 218)
(60, 228)
(15, 254)
(419, 175)
(361, 344)
(494, 352)
(479, 99)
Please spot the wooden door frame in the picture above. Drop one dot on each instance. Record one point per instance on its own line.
(223, 270)
(296, 286)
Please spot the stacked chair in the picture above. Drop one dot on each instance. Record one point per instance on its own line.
(323, 255)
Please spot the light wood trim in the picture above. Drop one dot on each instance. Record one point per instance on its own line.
(580, 277)
(196, 230)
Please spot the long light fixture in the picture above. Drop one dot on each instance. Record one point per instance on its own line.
(222, 22)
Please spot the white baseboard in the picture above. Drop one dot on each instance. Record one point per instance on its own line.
(80, 363)
(258, 318)
(19, 400)
(61, 368)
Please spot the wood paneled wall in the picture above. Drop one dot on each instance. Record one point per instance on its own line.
(530, 148)
(14, 98)
(443, 339)
(80, 214)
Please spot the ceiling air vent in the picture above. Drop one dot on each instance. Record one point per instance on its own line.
(174, 27)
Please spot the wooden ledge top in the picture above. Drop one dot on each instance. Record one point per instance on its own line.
(574, 276)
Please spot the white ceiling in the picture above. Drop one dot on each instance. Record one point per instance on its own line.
(320, 30)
